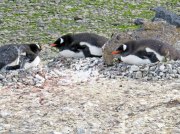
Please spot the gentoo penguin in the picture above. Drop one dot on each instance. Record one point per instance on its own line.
(146, 51)
(19, 56)
(80, 45)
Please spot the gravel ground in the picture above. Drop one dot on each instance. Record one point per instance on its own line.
(82, 96)
(67, 97)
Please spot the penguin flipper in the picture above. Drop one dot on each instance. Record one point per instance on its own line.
(148, 55)
(13, 67)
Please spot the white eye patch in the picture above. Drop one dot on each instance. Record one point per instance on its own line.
(38, 46)
(124, 47)
(61, 40)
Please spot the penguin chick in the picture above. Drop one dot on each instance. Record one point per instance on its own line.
(19, 56)
(145, 52)
(80, 45)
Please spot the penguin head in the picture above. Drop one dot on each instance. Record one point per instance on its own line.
(122, 49)
(31, 59)
(63, 42)
(35, 48)
(125, 50)
(32, 52)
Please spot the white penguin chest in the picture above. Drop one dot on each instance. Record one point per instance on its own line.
(69, 53)
(34, 63)
(133, 59)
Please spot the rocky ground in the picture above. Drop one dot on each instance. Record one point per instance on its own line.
(83, 96)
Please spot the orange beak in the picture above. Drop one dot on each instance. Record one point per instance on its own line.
(53, 45)
(116, 52)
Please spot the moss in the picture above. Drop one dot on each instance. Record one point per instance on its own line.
(99, 16)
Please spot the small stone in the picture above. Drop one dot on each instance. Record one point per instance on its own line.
(138, 75)
(152, 68)
(4, 114)
(161, 74)
(67, 130)
(138, 21)
(54, 132)
(172, 75)
(80, 131)
(39, 77)
(1, 77)
(134, 68)
(145, 69)
(178, 70)
(169, 68)
(162, 68)
(174, 71)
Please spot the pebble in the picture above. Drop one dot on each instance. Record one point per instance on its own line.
(87, 68)
(80, 131)
(162, 68)
(134, 68)
(138, 75)
(1, 77)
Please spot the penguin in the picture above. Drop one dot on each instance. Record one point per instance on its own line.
(146, 51)
(80, 45)
(23, 56)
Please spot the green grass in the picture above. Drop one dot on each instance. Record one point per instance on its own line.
(99, 16)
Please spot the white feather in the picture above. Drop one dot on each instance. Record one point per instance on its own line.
(61, 40)
(132, 59)
(93, 49)
(124, 47)
(38, 46)
(68, 54)
(160, 57)
(34, 63)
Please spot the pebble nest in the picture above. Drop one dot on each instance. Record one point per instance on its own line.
(83, 69)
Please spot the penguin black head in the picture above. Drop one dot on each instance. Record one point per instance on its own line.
(63, 42)
(35, 48)
(122, 49)
(31, 58)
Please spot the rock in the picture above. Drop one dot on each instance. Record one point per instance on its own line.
(55, 132)
(138, 75)
(153, 68)
(67, 130)
(178, 70)
(162, 68)
(111, 45)
(80, 131)
(1, 77)
(168, 16)
(161, 74)
(169, 68)
(134, 68)
(4, 113)
(40, 78)
(138, 21)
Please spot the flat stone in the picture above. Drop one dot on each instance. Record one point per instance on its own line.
(138, 75)
(134, 68)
